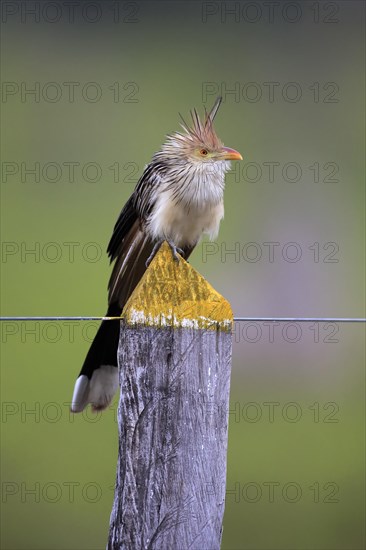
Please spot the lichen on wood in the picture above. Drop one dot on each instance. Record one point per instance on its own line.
(174, 294)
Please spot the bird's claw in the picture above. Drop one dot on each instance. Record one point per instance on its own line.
(148, 261)
(175, 251)
(151, 257)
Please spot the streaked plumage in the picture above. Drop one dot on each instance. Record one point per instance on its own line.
(178, 198)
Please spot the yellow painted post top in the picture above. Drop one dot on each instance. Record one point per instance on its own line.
(174, 294)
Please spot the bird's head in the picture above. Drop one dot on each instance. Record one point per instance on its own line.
(199, 145)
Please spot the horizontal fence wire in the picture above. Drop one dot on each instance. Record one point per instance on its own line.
(237, 319)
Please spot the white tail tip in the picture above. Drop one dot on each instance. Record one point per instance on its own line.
(98, 391)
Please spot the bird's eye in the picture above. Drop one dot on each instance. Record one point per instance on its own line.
(203, 152)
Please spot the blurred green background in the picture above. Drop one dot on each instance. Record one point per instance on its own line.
(109, 81)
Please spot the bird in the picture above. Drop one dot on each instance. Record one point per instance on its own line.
(178, 199)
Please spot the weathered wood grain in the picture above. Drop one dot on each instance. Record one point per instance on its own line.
(174, 366)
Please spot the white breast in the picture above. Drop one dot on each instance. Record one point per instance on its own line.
(189, 205)
(182, 225)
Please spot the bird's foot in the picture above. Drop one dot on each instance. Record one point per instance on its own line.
(154, 251)
(175, 251)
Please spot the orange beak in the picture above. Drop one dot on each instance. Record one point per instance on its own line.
(231, 154)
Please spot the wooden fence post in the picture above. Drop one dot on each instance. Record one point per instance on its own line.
(174, 361)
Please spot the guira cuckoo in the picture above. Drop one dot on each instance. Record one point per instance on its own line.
(178, 198)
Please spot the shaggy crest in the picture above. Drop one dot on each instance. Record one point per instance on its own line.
(199, 134)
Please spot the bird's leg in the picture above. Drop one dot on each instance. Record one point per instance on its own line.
(154, 251)
(175, 251)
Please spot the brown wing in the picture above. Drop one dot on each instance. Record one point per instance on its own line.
(130, 265)
(129, 246)
(126, 220)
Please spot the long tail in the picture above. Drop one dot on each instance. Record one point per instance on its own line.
(98, 379)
